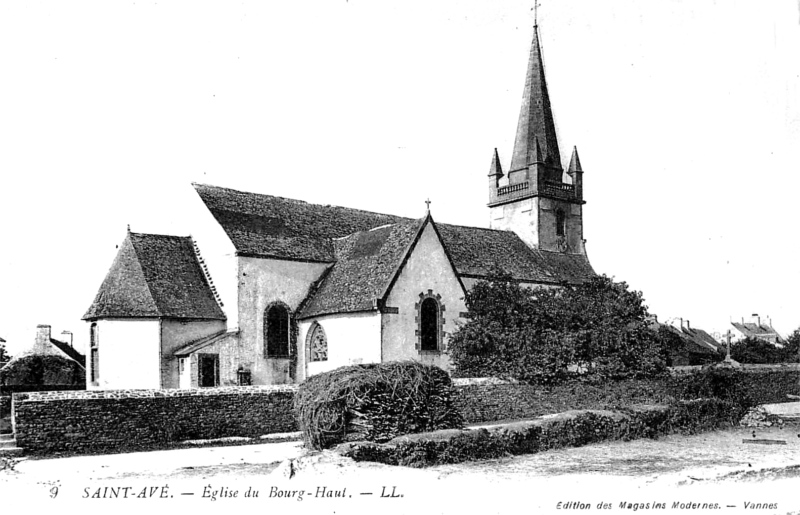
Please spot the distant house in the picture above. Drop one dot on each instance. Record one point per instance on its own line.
(47, 364)
(45, 345)
(756, 328)
(698, 347)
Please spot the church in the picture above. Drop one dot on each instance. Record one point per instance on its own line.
(295, 289)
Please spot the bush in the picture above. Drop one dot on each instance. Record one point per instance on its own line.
(726, 384)
(38, 370)
(375, 402)
(570, 429)
(545, 336)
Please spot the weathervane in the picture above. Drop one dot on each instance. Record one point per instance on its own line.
(535, 13)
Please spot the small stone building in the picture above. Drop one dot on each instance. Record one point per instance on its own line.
(155, 298)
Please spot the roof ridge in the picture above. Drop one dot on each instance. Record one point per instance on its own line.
(298, 201)
(156, 235)
(206, 273)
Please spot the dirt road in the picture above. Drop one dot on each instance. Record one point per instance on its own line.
(715, 471)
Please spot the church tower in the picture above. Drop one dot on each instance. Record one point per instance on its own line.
(536, 199)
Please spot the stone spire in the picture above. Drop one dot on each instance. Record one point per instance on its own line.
(495, 170)
(535, 117)
(574, 162)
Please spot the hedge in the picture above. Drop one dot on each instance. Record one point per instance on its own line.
(570, 429)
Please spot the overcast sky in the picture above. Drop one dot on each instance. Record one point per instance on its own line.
(686, 115)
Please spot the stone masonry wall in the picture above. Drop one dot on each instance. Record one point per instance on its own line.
(487, 400)
(115, 420)
(119, 420)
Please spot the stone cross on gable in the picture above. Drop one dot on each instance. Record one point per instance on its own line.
(428, 204)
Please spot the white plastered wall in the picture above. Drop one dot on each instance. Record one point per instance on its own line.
(353, 338)
(427, 268)
(129, 354)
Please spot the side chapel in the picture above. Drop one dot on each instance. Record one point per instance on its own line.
(300, 288)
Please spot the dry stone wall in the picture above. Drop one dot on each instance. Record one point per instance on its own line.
(119, 420)
(114, 420)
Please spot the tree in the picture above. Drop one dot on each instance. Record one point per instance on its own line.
(790, 353)
(754, 350)
(4, 356)
(545, 335)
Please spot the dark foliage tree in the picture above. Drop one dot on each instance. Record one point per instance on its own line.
(754, 350)
(4, 356)
(544, 336)
(791, 349)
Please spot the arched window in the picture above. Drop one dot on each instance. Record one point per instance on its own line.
(94, 356)
(429, 324)
(560, 223)
(276, 331)
(317, 344)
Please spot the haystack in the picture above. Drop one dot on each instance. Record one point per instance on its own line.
(375, 402)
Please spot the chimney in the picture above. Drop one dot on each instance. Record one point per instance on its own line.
(681, 323)
(42, 339)
(689, 327)
(756, 319)
(70, 336)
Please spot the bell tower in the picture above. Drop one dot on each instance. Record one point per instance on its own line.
(536, 199)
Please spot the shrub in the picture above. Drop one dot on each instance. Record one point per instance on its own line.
(726, 384)
(374, 402)
(570, 429)
(38, 370)
(545, 336)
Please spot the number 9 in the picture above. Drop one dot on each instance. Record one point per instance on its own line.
(54, 492)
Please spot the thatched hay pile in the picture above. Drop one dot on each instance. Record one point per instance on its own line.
(375, 402)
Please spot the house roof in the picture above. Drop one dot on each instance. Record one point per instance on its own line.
(757, 330)
(268, 226)
(701, 339)
(695, 340)
(203, 342)
(155, 276)
(69, 351)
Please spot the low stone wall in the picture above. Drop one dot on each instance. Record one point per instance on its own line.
(487, 400)
(119, 420)
(114, 420)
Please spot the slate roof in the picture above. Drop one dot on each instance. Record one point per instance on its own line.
(268, 226)
(366, 263)
(475, 251)
(762, 331)
(701, 339)
(69, 351)
(203, 342)
(695, 340)
(155, 276)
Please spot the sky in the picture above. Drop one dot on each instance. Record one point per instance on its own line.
(686, 115)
